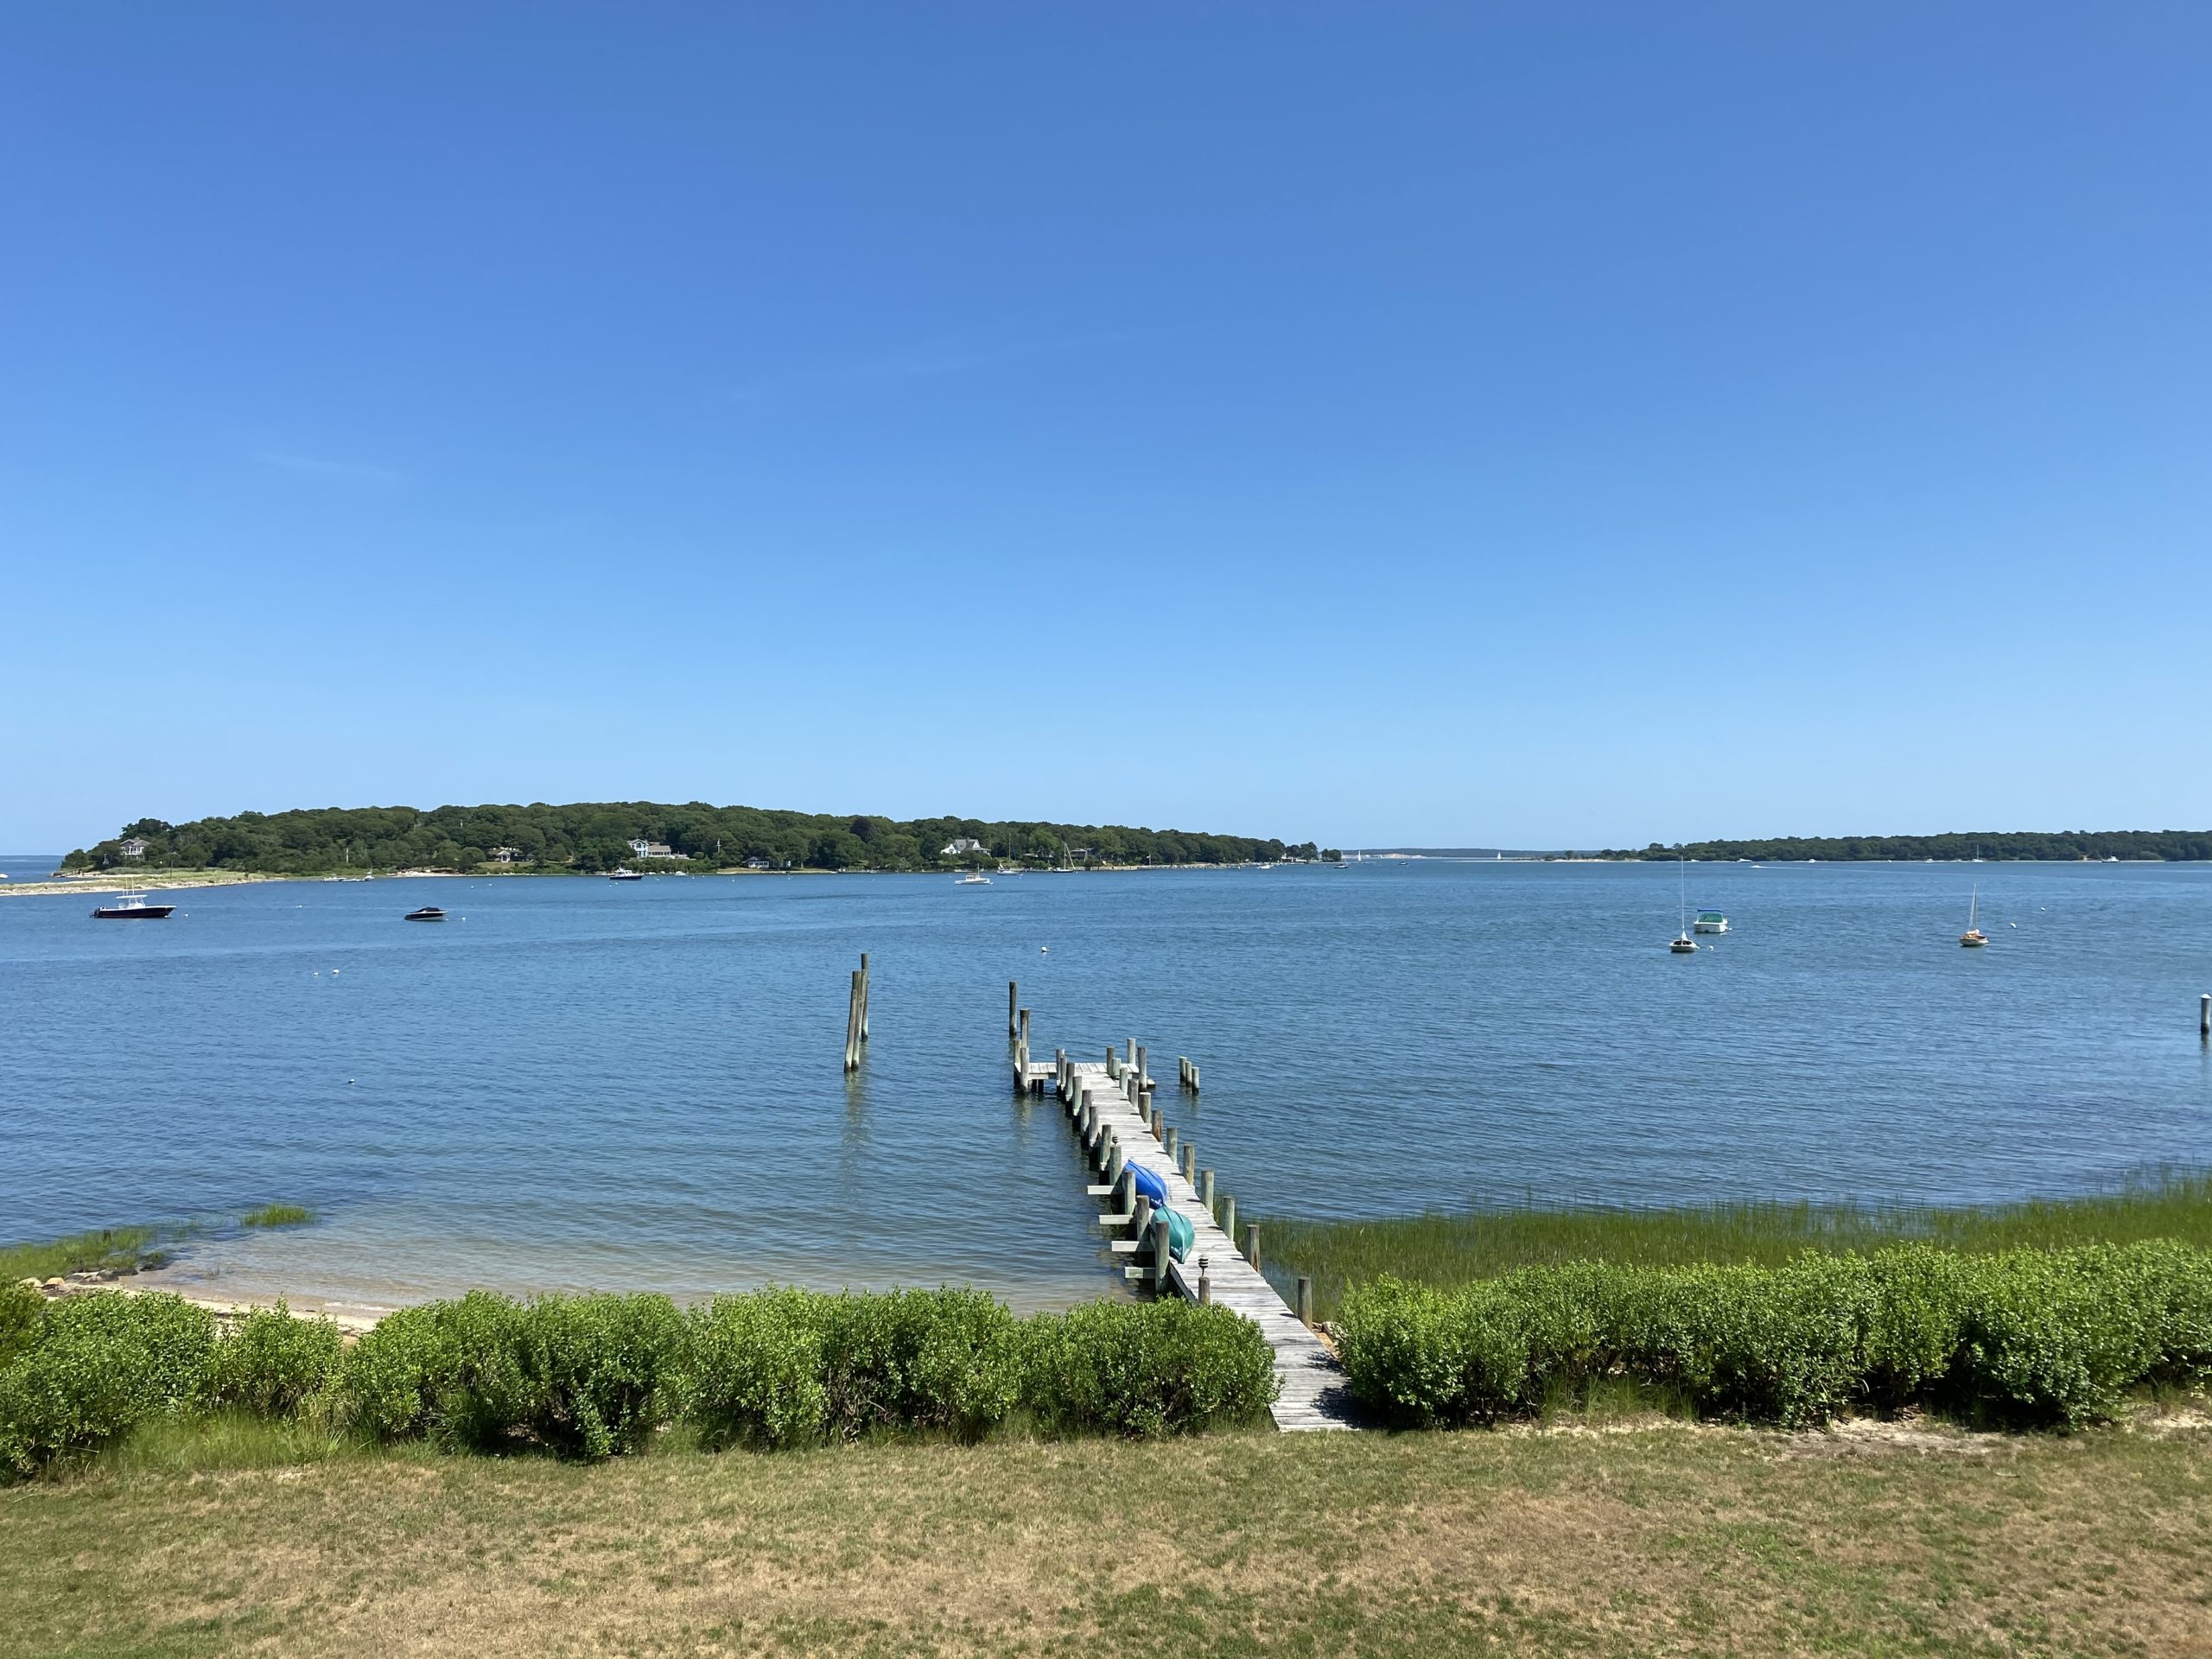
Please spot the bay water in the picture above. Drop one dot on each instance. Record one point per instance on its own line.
(575, 1082)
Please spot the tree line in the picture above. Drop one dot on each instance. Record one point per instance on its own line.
(589, 837)
(2064, 845)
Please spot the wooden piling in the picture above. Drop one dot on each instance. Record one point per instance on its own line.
(1194, 1079)
(2204, 1015)
(1228, 1217)
(1205, 1189)
(1252, 1244)
(1306, 1301)
(1168, 1141)
(863, 996)
(1183, 1069)
(853, 1024)
(1190, 1162)
(1013, 998)
(1162, 1251)
(1144, 1077)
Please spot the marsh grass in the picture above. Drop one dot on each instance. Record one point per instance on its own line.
(111, 1249)
(277, 1215)
(1457, 1249)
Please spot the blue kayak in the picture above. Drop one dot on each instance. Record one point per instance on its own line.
(1148, 1184)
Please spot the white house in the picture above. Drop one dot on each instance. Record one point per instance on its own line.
(961, 846)
(652, 849)
(133, 848)
(505, 854)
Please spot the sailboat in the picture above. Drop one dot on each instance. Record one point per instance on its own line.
(1974, 936)
(1683, 944)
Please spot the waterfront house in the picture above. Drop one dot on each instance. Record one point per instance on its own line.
(651, 849)
(756, 862)
(133, 847)
(961, 846)
(505, 854)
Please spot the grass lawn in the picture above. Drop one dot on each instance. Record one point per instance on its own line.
(1455, 1248)
(1655, 1539)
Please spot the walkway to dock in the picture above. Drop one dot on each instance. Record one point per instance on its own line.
(1104, 1109)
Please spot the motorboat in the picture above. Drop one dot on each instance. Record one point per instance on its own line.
(624, 872)
(428, 913)
(973, 878)
(132, 908)
(1710, 921)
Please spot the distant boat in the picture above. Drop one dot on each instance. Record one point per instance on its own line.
(973, 878)
(1974, 936)
(1683, 944)
(428, 913)
(624, 872)
(1711, 921)
(132, 908)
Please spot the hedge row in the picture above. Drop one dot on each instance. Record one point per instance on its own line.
(587, 1376)
(2020, 1338)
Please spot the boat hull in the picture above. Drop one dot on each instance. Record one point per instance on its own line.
(133, 912)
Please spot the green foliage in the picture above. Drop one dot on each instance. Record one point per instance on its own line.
(596, 836)
(752, 1370)
(2066, 845)
(1458, 1249)
(277, 1215)
(1146, 1369)
(270, 1365)
(22, 1311)
(2022, 1338)
(97, 1365)
(583, 1376)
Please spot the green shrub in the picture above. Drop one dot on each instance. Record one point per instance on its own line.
(394, 1375)
(1145, 1369)
(584, 1376)
(752, 1372)
(936, 1359)
(1914, 1325)
(2053, 1337)
(22, 1311)
(595, 1372)
(98, 1365)
(1430, 1357)
(272, 1364)
(2024, 1336)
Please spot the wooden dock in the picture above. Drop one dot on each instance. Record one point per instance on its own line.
(1105, 1102)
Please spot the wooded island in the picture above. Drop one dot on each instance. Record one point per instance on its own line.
(590, 837)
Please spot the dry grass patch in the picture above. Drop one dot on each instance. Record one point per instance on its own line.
(1659, 1542)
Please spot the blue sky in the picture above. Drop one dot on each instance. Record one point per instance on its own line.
(1480, 425)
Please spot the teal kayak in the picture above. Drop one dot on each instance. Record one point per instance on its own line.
(1181, 1235)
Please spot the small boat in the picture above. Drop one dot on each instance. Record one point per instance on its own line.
(973, 878)
(428, 913)
(1683, 945)
(132, 908)
(624, 872)
(1710, 921)
(1974, 936)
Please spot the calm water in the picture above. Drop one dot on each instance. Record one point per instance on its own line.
(576, 1083)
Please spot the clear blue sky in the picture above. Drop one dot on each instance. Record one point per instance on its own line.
(1459, 424)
